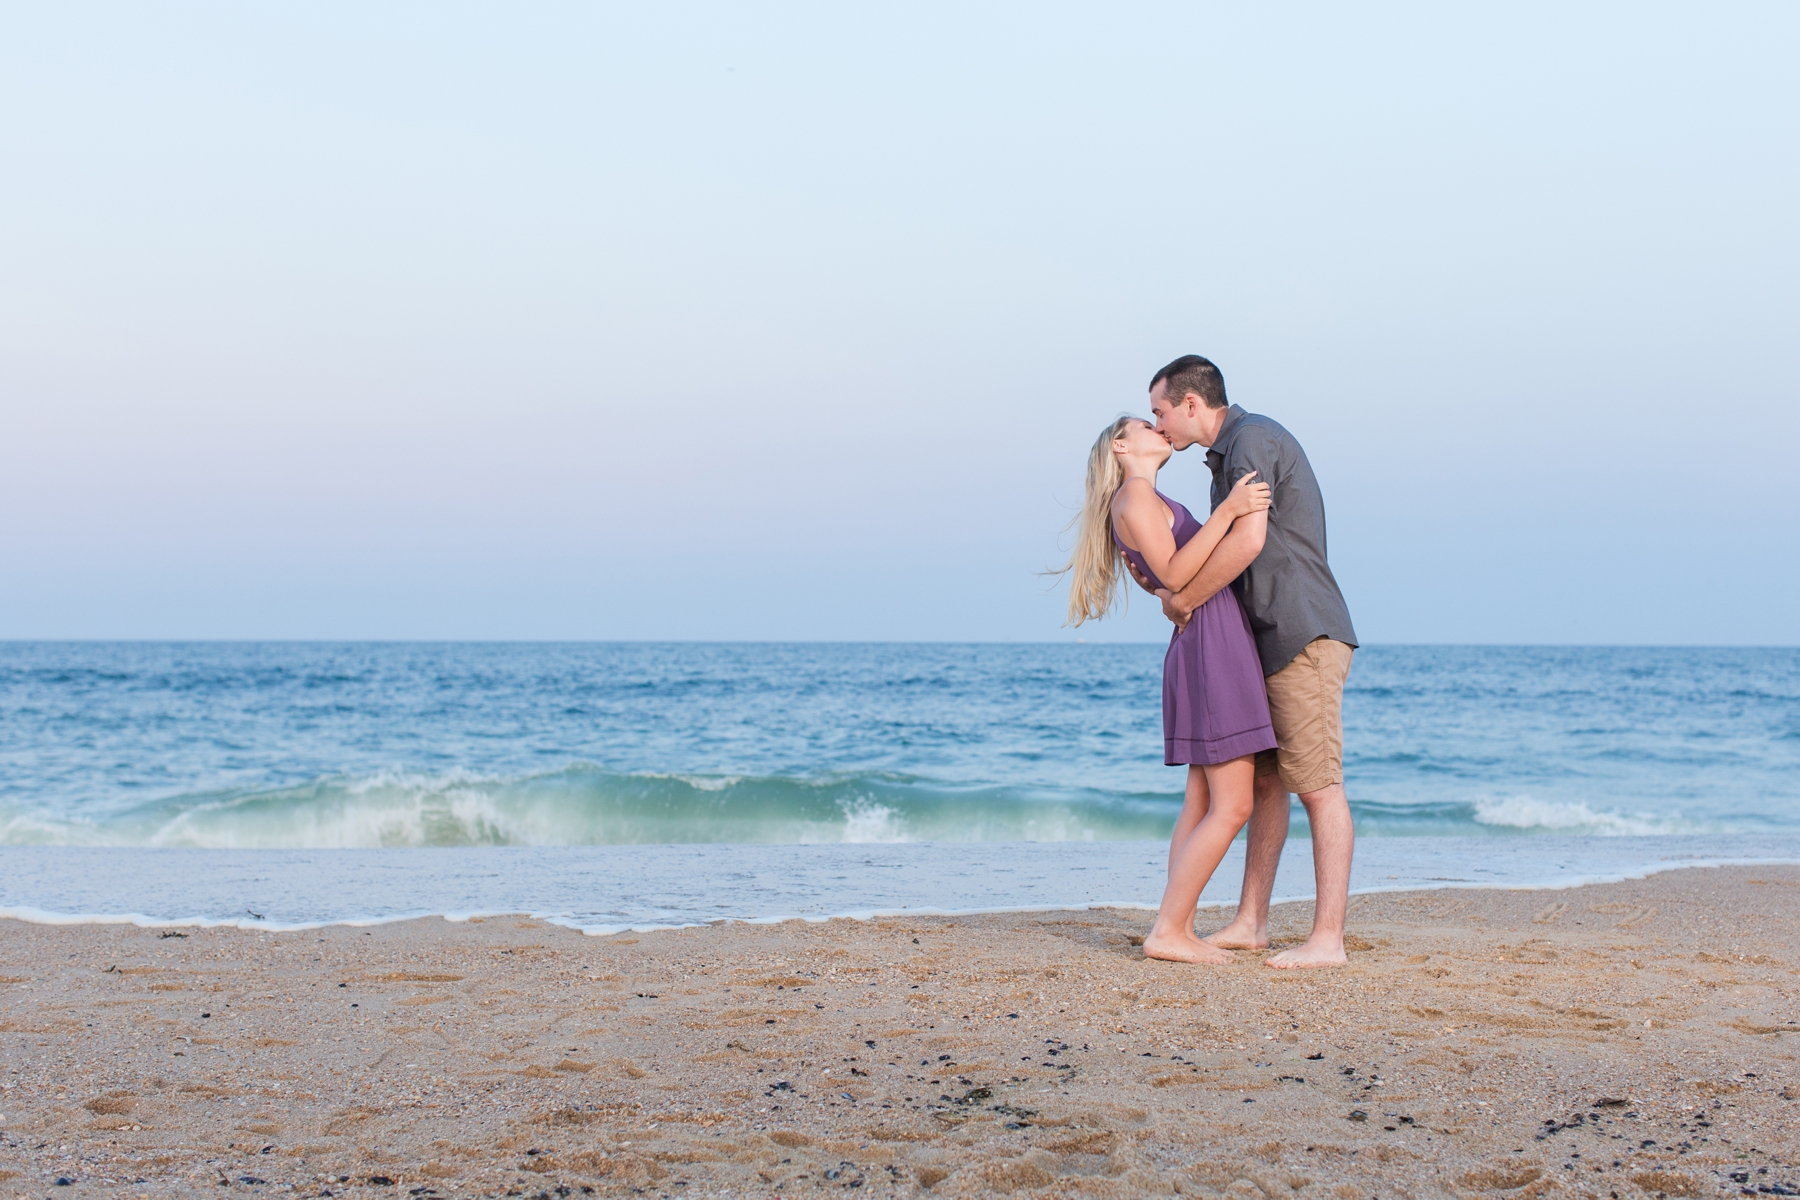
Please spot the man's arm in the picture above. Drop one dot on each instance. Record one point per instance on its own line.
(1237, 551)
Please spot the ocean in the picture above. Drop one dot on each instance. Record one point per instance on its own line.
(619, 785)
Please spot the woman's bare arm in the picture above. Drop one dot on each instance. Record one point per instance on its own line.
(1226, 563)
(1246, 497)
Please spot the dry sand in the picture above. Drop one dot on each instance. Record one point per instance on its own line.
(1617, 1040)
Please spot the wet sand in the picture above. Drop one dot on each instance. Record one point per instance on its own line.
(1619, 1040)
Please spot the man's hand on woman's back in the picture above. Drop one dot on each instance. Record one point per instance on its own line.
(1143, 580)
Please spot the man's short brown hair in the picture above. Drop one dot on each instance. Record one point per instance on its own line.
(1191, 373)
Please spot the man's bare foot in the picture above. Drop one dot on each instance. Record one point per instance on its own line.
(1314, 952)
(1241, 934)
(1189, 949)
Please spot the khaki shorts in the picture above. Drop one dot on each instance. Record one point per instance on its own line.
(1306, 706)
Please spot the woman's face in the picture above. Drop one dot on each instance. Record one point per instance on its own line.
(1139, 439)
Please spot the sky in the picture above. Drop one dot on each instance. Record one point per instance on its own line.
(795, 322)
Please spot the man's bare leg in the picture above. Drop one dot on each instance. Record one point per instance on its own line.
(1249, 930)
(1229, 788)
(1334, 842)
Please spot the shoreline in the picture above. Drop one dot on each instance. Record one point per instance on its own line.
(1603, 1038)
(617, 889)
(32, 916)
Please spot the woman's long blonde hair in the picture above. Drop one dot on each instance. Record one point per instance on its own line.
(1096, 577)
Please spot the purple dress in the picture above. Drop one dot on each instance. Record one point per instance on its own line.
(1214, 706)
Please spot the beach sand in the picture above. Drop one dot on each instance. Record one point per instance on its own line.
(1614, 1040)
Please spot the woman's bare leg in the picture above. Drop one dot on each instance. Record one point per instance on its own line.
(1193, 811)
(1229, 791)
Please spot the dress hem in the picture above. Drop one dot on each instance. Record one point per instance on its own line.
(1207, 752)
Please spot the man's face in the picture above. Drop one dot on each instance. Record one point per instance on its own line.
(1179, 420)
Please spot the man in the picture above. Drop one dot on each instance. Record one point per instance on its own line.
(1276, 560)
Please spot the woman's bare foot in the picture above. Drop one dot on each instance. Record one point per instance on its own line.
(1314, 952)
(1189, 949)
(1241, 934)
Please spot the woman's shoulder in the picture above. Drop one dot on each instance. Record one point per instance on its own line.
(1134, 500)
(1136, 490)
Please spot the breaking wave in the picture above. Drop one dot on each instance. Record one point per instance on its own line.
(1523, 812)
(584, 805)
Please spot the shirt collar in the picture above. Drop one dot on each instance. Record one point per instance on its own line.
(1233, 415)
(1215, 453)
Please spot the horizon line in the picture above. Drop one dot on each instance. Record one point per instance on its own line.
(553, 641)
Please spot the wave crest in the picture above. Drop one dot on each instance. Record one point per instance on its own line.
(1524, 812)
(586, 805)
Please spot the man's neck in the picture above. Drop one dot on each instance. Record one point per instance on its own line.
(1212, 424)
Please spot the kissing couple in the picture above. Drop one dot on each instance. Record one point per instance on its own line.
(1253, 681)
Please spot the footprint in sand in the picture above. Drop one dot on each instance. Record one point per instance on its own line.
(1547, 915)
(1504, 1178)
(1629, 914)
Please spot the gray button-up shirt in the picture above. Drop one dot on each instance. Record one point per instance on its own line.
(1288, 592)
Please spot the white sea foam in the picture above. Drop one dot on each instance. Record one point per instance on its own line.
(585, 805)
(401, 780)
(609, 888)
(708, 783)
(1524, 812)
(388, 810)
(869, 822)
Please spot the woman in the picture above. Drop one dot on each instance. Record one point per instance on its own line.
(1215, 711)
